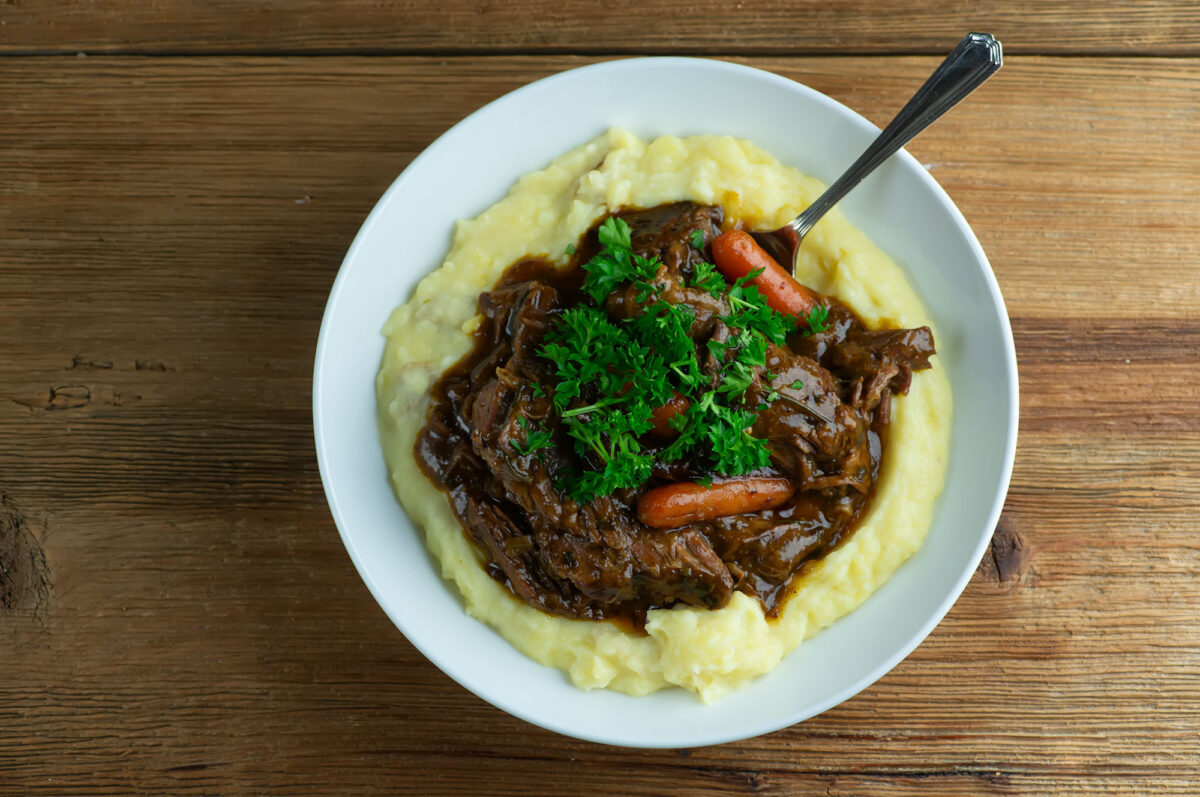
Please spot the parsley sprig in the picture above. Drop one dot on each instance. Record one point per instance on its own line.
(616, 264)
(750, 311)
(535, 439)
(706, 277)
(710, 425)
(817, 320)
(608, 384)
(611, 375)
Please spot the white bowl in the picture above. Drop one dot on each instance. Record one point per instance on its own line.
(470, 167)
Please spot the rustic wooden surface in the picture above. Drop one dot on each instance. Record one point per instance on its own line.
(702, 27)
(177, 614)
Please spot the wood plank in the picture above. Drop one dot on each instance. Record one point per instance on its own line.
(171, 228)
(704, 27)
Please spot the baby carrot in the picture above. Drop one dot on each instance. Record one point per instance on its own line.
(736, 254)
(661, 416)
(688, 502)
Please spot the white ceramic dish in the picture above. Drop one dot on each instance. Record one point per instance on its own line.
(470, 167)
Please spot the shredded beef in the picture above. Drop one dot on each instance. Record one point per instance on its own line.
(822, 404)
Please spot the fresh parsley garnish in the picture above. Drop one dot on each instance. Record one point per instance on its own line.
(616, 264)
(608, 384)
(742, 352)
(697, 238)
(582, 345)
(706, 277)
(667, 325)
(614, 233)
(817, 319)
(570, 250)
(534, 440)
(610, 375)
(709, 425)
(750, 311)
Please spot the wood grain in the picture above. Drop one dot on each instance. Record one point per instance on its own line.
(171, 227)
(701, 27)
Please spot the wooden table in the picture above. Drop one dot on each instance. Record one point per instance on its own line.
(178, 184)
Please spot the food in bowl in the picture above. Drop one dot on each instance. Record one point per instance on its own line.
(646, 470)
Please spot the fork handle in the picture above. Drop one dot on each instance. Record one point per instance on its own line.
(969, 64)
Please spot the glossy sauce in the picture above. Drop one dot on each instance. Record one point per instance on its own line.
(765, 552)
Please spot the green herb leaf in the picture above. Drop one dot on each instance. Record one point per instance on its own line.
(697, 239)
(817, 319)
(622, 472)
(570, 250)
(720, 429)
(750, 311)
(582, 345)
(616, 264)
(706, 277)
(605, 272)
(614, 233)
(667, 326)
(643, 272)
(610, 376)
(534, 440)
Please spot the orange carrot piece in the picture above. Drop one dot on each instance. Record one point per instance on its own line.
(661, 416)
(688, 502)
(736, 254)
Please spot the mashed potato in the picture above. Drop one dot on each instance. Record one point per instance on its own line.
(709, 652)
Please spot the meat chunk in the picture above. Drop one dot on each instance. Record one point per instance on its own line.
(520, 315)
(882, 361)
(815, 437)
(666, 232)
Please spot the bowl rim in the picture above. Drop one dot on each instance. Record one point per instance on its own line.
(616, 66)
